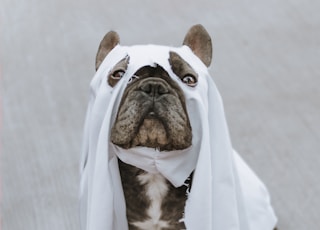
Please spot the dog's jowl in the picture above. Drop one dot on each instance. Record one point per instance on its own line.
(157, 152)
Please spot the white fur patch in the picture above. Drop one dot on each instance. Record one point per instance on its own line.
(156, 189)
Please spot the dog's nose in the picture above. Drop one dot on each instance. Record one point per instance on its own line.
(154, 88)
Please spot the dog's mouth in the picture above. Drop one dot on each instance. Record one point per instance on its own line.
(154, 129)
(151, 133)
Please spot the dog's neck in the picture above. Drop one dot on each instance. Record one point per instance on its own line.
(152, 202)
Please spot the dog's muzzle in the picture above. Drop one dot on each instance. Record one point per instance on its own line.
(152, 113)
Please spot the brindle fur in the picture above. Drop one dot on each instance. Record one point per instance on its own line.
(137, 203)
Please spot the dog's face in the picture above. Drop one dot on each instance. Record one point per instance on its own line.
(152, 111)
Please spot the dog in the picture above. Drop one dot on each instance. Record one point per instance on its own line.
(152, 113)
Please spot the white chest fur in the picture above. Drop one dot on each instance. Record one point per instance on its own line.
(156, 190)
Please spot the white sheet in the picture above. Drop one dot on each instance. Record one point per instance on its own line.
(225, 195)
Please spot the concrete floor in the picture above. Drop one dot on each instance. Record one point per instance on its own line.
(266, 65)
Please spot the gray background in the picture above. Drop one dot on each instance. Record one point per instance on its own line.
(266, 65)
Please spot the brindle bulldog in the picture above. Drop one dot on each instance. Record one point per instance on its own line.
(152, 113)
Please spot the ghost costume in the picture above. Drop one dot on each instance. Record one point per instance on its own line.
(225, 194)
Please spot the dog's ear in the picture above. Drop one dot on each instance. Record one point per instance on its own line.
(200, 43)
(110, 40)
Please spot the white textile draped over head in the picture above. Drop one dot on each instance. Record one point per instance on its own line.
(225, 194)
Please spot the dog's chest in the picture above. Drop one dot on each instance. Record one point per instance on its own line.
(152, 203)
(156, 190)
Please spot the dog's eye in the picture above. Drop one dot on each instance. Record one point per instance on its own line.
(190, 80)
(117, 75)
